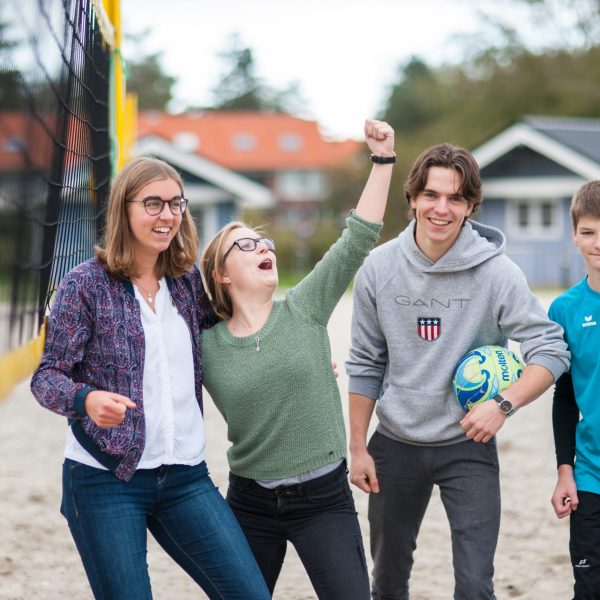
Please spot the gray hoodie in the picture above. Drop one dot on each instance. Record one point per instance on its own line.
(414, 319)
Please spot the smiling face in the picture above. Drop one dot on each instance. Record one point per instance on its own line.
(251, 271)
(587, 238)
(152, 235)
(440, 211)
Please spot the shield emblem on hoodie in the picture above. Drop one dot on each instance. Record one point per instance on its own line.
(429, 328)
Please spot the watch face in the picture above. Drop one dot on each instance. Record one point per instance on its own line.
(505, 406)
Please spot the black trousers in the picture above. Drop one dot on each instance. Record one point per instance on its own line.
(318, 517)
(585, 547)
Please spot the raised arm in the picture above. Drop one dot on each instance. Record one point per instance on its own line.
(380, 139)
(318, 293)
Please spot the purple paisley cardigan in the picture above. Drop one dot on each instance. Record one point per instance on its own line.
(95, 340)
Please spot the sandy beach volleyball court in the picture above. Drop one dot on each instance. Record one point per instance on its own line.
(38, 558)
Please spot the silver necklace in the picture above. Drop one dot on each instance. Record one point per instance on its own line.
(149, 296)
(256, 337)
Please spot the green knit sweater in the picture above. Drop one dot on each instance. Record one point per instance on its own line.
(276, 388)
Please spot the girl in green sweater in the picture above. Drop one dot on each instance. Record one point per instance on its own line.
(267, 367)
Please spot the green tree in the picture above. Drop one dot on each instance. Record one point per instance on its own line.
(240, 88)
(570, 24)
(148, 80)
(10, 76)
(147, 77)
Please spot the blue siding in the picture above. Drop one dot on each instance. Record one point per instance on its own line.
(544, 262)
(493, 212)
(226, 213)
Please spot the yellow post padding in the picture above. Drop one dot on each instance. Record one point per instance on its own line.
(130, 126)
(113, 10)
(20, 363)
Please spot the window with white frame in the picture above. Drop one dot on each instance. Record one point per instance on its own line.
(535, 218)
(301, 185)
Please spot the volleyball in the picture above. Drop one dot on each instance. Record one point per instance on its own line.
(484, 373)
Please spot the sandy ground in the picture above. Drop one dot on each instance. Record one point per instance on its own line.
(38, 559)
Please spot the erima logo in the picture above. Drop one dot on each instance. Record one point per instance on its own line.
(582, 564)
(587, 321)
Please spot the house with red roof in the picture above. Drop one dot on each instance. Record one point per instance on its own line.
(287, 155)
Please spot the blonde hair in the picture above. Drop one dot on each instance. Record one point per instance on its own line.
(115, 250)
(211, 269)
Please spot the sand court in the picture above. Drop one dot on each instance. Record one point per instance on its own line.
(38, 558)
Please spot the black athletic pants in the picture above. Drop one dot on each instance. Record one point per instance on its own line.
(585, 547)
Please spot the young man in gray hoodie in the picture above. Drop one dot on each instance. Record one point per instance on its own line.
(421, 301)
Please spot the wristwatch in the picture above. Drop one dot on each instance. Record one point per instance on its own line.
(504, 405)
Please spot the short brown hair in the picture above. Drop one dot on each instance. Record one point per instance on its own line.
(115, 250)
(586, 202)
(211, 268)
(449, 157)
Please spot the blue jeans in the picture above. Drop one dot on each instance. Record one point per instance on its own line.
(183, 510)
(467, 475)
(319, 518)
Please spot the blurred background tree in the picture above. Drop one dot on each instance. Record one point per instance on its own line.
(240, 88)
(147, 77)
(10, 89)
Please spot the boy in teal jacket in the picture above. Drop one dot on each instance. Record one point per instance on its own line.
(577, 441)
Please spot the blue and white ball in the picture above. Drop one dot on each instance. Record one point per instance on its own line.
(484, 373)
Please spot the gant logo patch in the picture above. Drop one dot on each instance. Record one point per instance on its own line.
(429, 328)
(587, 321)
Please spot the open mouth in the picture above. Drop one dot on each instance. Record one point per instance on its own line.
(439, 222)
(162, 230)
(266, 265)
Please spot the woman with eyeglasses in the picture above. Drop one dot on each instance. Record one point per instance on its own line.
(122, 363)
(267, 368)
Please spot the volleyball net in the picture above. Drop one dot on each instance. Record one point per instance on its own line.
(61, 106)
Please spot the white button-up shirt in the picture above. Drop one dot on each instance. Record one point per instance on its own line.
(174, 423)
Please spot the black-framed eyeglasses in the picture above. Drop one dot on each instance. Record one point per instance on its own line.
(154, 206)
(250, 244)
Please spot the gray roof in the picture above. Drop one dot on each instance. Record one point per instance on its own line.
(578, 134)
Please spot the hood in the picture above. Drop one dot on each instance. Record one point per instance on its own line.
(475, 244)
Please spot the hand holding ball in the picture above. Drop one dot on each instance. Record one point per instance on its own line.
(484, 373)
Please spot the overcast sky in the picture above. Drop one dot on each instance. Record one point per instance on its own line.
(343, 53)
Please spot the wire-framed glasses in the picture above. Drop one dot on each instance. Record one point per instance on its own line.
(154, 206)
(250, 244)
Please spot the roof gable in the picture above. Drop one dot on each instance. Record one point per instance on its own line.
(252, 194)
(522, 161)
(581, 135)
(574, 144)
